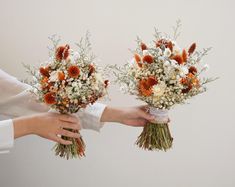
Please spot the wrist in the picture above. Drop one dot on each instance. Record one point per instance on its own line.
(111, 114)
(22, 127)
(32, 125)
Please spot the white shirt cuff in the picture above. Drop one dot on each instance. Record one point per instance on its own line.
(90, 116)
(6, 135)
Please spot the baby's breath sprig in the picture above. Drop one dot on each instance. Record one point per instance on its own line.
(55, 40)
(85, 49)
(176, 29)
(198, 55)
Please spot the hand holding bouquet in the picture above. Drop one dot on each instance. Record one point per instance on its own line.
(68, 82)
(162, 75)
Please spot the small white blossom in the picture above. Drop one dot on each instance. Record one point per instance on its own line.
(159, 51)
(205, 67)
(182, 70)
(167, 52)
(53, 76)
(146, 52)
(159, 89)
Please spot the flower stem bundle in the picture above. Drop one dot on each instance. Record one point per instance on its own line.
(155, 136)
(76, 149)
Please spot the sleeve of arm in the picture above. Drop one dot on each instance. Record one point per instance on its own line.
(91, 115)
(16, 100)
(6, 136)
(21, 104)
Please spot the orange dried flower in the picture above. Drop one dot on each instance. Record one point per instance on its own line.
(196, 82)
(91, 69)
(178, 58)
(138, 60)
(145, 85)
(190, 75)
(44, 71)
(192, 70)
(50, 98)
(193, 79)
(165, 43)
(152, 81)
(192, 48)
(44, 80)
(186, 90)
(61, 76)
(106, 83)
(148, 59)
(170, 45)
(183, 81)
(74, 71)
(144, 88)
(184, 55)
(62, 53)
(45, 85)
(143, 46)
(161, 42)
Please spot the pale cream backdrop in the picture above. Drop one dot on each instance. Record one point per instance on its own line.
(204, 132)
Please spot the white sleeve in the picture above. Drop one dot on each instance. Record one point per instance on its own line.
(6, 136)
(90, 116)
(16, 100)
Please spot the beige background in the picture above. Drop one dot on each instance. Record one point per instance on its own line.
(203, 153)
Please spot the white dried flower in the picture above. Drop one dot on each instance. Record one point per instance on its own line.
(53, 76)
(159, 89)
(167, 52)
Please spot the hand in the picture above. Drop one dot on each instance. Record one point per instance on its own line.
(47, 125)
(131, 116)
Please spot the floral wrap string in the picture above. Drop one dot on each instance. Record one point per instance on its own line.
(161, 116)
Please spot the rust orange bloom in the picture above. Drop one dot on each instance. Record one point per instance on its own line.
(178, 58)
(143, 46)
(44, 83)
(50, 98)
(186, 90)
(62, 53)
(74, 71)
(192, 70)
(146, 85)
(45, 80)
(184, 56)
(170, 45)
(196, 82)
(190, 76)
(44, 71)
(192, 48)
(144, 88)
(91, 69)
(61, 76)
(148, 59)
(183, 81)
(106, 83)
(165, 43)
(138, 60)
(152, 81)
